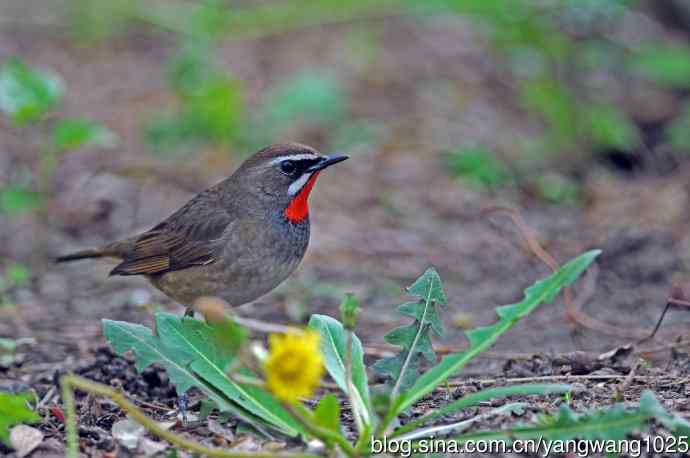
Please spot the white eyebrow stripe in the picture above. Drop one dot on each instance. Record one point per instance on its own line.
(298, 184)
(296, 157)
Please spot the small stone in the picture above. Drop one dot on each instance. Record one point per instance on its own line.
(127, 433)
(24, 439)
(217, 429)
(148, 447)
(315, 446)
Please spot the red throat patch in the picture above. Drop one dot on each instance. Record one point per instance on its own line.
(298, 209)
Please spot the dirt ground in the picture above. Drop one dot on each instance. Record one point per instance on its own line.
(377, 222)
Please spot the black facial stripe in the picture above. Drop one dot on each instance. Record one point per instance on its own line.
(301, 165)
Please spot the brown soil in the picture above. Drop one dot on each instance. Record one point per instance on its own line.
(378, 222)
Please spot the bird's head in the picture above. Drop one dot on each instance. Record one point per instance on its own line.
(284, 175)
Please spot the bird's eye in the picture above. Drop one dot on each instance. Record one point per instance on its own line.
(288, 167)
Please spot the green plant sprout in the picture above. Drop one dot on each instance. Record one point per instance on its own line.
(239, 380)
(15, 275)
(27, 97)
(14, 409)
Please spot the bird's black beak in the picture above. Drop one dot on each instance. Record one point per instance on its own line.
(327, 161)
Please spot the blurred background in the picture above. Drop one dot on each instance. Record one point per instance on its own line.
(114, 112)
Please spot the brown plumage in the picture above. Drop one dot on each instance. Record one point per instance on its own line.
(233, 240)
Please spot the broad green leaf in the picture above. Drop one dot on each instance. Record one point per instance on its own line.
(185, 348)
(69, 134)
(334, 348)
(488, 394)
(667, 65)
(14, 409)
(209, 362)
(415, 339)
(480, 339)
(610, 423)
(25, 93)
(479, 166)
(327, 413)
(16, 199)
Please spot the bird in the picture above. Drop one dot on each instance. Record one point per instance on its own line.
(236, 240)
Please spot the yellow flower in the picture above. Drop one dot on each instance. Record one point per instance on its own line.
(294, 366)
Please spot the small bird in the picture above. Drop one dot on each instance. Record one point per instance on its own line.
(237, 240)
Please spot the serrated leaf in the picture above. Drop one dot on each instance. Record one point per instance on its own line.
(415, 339)
(334, 348)
(482, 338)
(25, 93)
(185, 348)
(14, 409)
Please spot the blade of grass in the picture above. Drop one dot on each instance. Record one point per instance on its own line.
(481, 396)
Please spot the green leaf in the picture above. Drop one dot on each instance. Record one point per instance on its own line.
(307, 96)
(482, 338)
(415, 339)
(349, 309)
(14, 409)
(678, 130)
(667, 65)
(186, 349)
(15, 199)
(610, 127)
(25, 93)
(69, 134)
(327, 413)
(212, 111)
(556, 188)
(479, 166)
(334, 348)
(17, 274)
(488, 394)
(554, 102)
(612, 423)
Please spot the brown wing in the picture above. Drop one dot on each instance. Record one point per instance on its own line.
(190, 237)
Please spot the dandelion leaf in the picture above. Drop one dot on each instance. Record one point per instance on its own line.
(414, 339)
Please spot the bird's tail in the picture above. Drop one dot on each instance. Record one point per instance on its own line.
(85, 254)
